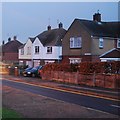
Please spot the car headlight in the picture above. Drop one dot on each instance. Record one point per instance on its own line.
(29, 72)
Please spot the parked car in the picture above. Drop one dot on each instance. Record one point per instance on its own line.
(25, 72)
(33, 72)
(39, 71)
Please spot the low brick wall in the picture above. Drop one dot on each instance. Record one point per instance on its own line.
(100, 80)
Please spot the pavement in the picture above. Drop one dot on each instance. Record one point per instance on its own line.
(105, 93)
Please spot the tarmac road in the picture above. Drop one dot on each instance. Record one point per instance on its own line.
(90, 102)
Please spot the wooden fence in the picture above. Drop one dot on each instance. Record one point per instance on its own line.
(100, 80)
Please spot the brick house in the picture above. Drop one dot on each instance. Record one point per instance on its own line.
(111, 55)
(10, 51)
(86, 40)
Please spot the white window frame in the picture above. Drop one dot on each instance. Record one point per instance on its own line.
(75, 42)
(37, 49)
(75, 60)
(101, 43)
(49, 50)
(28, 50)
(22, 51)
(118, 43)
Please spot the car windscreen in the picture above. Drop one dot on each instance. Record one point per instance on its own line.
(28, 68)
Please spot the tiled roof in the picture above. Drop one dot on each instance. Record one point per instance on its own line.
(113, 53)
(32, 39)
(101, 29)
(22, 46)
(52, 37)
(11, 46)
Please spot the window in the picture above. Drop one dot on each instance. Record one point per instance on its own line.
(75, 42)
(22, 51)
(28, 50)
(100, 42)
(49, 50)
(118, 43)
(75, 60)
(36, 49)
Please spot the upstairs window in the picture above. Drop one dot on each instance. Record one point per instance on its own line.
(28, 50)
(22, 51)
(118, 43)
(101, 42)
(75, 42)
(49, 50)
(36, 49)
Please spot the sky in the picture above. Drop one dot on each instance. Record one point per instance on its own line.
(28, 19)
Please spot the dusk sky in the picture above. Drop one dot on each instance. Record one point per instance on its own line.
(28, 19)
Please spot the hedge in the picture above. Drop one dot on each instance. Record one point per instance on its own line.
(85, 67)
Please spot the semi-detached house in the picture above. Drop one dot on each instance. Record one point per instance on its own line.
(87, 40)
(43, 48)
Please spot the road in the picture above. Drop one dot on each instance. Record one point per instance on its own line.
(90, 102)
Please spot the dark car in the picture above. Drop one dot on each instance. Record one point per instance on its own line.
(34, 71)
(25, 72)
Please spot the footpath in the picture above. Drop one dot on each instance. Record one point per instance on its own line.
(111, 94)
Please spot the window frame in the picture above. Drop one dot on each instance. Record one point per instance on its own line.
(37, 49)
(75, 42)
(75, 60)
(29, 50)
(49, 50)
(118, 43)
(22, 51)
(101, 43)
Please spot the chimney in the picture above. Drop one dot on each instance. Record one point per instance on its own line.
(97, 17)
(3, 42)
(9, 39)
(15, 38)
(60, 25)
(49, 27)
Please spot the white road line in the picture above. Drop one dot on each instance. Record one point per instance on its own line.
(115, 106)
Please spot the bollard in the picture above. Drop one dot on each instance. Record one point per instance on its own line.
(16, 71)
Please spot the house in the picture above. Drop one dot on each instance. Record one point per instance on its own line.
(44, 48)
(25, 53)
(47, 46)
(10, 50)
(111, 55)
(86, 40)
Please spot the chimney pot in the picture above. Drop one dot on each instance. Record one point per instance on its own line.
(97, 17)
(3, 42)
(9, 39)
(49, 27)
(60, 25)
(15, 38)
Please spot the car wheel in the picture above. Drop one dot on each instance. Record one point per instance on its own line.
(33, 75)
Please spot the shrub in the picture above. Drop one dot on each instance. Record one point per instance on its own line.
(84, 67)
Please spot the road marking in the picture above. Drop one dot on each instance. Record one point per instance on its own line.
(115, 106)
(68, 91)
